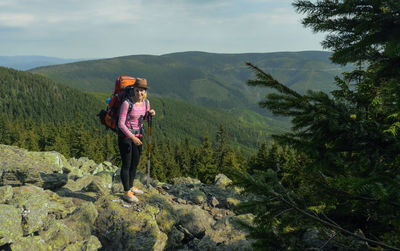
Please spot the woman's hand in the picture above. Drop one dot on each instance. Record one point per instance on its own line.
(152, 112)
(136, 141)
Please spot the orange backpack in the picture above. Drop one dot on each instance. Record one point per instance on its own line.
(109, 117)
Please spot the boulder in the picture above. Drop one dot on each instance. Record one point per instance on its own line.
(123, 226)
(44, 169)
(50, 203)
(222, 181)
(59, 236)
(194, 219)
(29, 243)
(175, 239)
(6, 193)
(185, 180)
(10, 224)
(34, 205)
(227, 235)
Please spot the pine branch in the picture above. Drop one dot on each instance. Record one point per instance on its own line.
(271, 82)
(358, 197)
(329, 224)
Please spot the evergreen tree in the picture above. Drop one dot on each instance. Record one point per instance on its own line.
(205, 164)
(221, 148)
(257, 161)
(183, 158)
(350, 181)
(78, 138)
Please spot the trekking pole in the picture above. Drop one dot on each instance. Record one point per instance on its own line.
(150, 118)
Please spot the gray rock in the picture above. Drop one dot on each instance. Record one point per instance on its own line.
(185, 180)
(87, 213)
(34, 205)
(226, 234)
(6, 193)
(194, 219)
(10, 224)
(123, 226)
(214, 202)
(19, 167)
(29, 243)
(175, 238)
(222, 181)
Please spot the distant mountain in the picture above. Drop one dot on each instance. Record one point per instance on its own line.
(29, 62)
(25, 96)
(209, 79)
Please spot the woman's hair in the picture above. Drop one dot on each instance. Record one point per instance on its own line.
(145, 95)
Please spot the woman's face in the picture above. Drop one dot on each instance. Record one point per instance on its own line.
(139, 93)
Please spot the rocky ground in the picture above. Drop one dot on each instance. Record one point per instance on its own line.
(50, 203)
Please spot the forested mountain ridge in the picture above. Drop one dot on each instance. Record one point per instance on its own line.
(35, 105)
(209, 79)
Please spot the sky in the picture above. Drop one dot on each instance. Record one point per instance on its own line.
(113, 28)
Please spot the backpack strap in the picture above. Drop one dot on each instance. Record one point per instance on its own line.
(141, 130)
(128, 117)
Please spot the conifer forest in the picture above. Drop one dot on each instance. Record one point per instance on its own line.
(336, 170)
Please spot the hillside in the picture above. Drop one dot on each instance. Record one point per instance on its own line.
(209, 79)
(177, 120)
(26, 96)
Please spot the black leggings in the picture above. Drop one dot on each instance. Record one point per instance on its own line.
(130, 156)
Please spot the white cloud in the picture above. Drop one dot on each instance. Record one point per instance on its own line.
(91, 28)
(16, 19)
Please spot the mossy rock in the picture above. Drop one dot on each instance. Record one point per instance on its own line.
(194, 219)
(226, 234)
(128, 226)
(43, 169)
(91, 244)
(222, 181)
(34, 205)
(232, 202)
(197, 196)
(59, 236)
(6, 193)
(175, 239)
(29, 243)
(10, 224)
(185, 180)
(82, 220)
(166, 217)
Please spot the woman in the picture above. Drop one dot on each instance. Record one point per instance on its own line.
(130, 140)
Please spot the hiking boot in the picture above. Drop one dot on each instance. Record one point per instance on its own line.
(128, 196)
(136, 190)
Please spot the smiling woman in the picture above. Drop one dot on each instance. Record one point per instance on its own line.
(134, 110)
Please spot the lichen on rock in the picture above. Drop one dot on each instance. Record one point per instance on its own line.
(50, 203)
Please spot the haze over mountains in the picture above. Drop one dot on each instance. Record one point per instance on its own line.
(28, 62)
(208, 79)
(193, 92)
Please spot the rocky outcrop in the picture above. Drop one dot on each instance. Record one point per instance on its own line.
(50, 203)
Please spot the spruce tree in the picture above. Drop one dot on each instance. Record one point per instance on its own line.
(221, 148)
(350, 181)
(205, 164)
